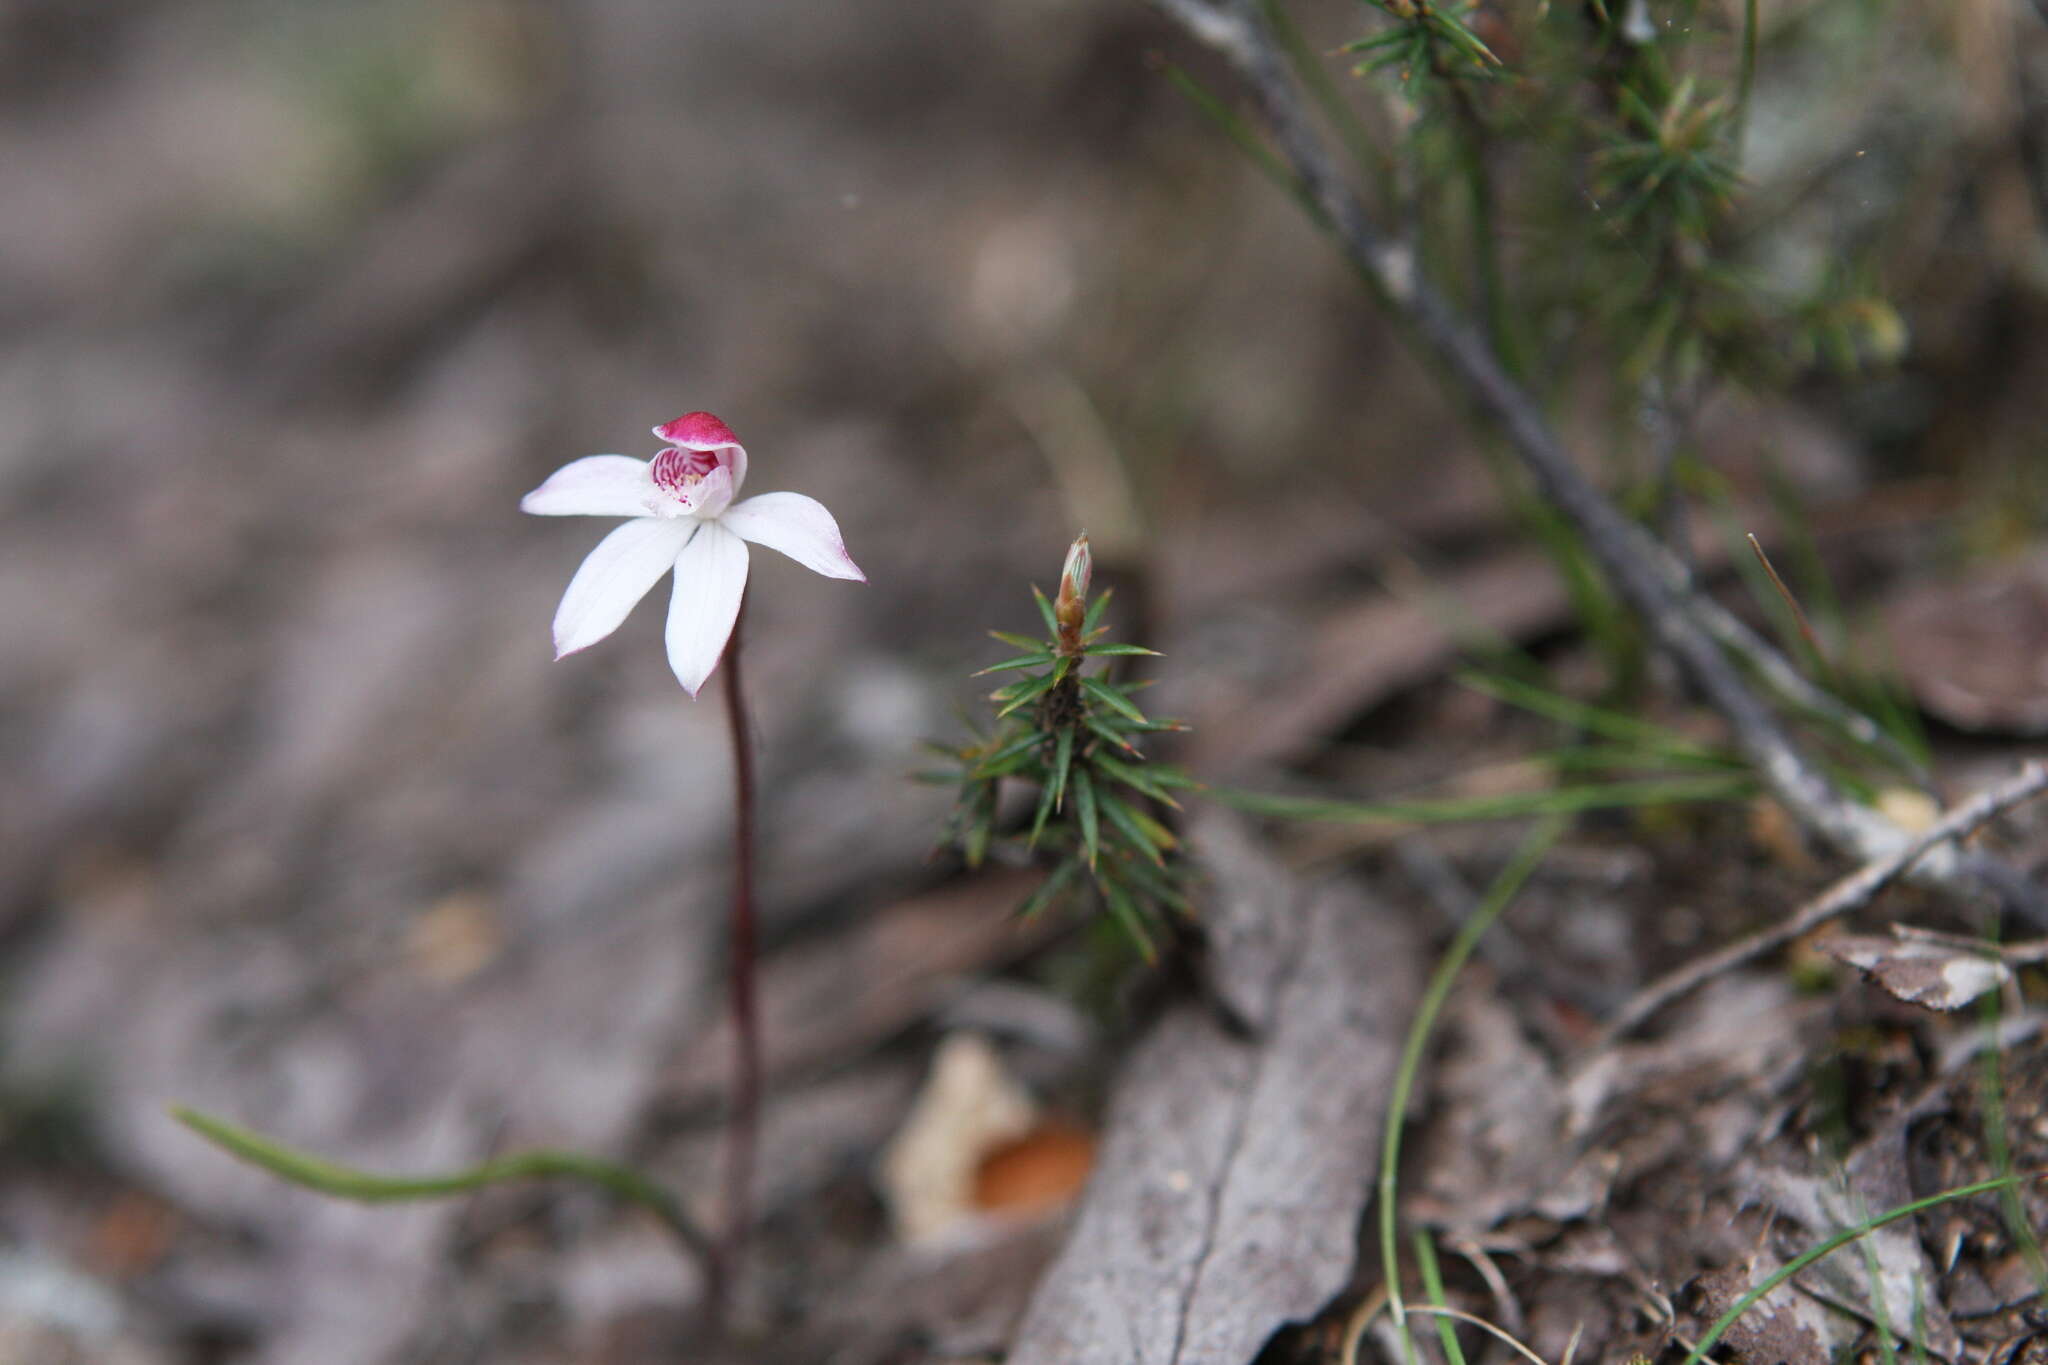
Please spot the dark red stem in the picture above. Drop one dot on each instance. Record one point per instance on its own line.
(743, 1129)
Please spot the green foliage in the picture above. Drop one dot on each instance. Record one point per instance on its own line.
(345, 1182)
(1577, 179)
(1426, 37)
(1100, 819)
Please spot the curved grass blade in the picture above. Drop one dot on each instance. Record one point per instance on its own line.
(1835, 1243)
(1497, 899)
(1512, 805)
(345, 1182)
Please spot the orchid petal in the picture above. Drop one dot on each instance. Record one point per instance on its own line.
(697, 431)
(711, 497)
(615, 576)
(704, 431)
(711, 576)
(594, 486)
(799, 527)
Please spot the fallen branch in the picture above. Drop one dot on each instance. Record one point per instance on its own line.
(1850, 893)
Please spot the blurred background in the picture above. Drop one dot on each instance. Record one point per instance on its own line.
(298, 821)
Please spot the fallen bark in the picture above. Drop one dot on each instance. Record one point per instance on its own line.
(1236, 1162)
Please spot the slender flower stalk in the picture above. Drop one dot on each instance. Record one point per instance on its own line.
(743, 1133)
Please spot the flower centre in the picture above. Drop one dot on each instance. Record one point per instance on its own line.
(677, 472)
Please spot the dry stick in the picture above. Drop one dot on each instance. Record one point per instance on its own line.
(1806, 631)
(743, 1129)
(1848, 894)
(1689, 627)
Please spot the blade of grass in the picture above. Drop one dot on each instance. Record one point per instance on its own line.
(1603, 721)
(1822, 1250)
(1433, 1285)
(1512, 805)
(1497, 899)
(344, 1182)
(1998, 1143)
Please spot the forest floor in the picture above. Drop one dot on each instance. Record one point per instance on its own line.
(300, 825)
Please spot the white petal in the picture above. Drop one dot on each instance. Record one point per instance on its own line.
(798, 526)
(616, 575)
(711, 574)
(594, 486)
(711, 497)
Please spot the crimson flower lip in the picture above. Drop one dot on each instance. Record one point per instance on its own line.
(681, 518)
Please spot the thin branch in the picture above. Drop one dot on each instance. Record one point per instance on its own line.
(1850, 893)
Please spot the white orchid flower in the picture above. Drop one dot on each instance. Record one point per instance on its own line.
(683, 518)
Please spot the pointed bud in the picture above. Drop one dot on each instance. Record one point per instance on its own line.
(1071, 606)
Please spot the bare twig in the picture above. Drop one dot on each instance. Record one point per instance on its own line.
(1704, 639)
(1848, 894)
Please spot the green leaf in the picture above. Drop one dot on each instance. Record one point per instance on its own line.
(1125, 819)
(1052, 622)
(1102, 730)
(344, 1182)
(1037, 660)
(1047, 798)
(1084, 808)
(1049, 890)
(1385, 38)
(1113, 698)
(1159, 884)
(1128, 915)
(1015, 766)
(1093, 617)
(1160, 835)
(1033, 689)
(1062, 760)
(1025, 744)
(1019, 641)
(974, 846)
(1136, 778)
(1119, 651)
